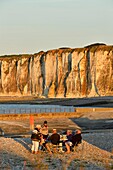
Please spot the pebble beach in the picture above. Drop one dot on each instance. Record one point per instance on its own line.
(95, 152)
(15, 154)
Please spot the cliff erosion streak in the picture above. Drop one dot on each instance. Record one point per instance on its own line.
(64, 72)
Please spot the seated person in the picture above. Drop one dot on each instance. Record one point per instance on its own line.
(54, 140)
(68, 142)
(77, 138)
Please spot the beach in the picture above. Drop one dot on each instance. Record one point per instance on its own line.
(95, 152)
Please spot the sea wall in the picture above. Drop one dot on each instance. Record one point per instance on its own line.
(64, 72)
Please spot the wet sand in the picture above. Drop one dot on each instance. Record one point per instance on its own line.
(104, 101)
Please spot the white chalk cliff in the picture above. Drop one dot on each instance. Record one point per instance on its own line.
(64, 72)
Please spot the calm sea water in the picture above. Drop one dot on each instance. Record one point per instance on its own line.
(33, 108)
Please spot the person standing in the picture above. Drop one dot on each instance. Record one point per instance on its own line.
(36, 138)
(44, 130)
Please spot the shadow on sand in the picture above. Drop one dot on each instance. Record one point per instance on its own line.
(91, 124)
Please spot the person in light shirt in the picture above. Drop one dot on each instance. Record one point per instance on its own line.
(44, 130)
(68, 142)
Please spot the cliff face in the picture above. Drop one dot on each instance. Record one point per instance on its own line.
(59, 73)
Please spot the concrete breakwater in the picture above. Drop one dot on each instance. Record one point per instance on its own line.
(53, 112)
(43, 115)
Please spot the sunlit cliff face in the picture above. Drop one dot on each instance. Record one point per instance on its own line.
(65, 72)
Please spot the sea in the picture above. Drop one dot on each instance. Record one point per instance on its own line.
(6, 108)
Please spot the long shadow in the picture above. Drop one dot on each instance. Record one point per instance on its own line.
(26, 142)
(91, 124)
(97, 132)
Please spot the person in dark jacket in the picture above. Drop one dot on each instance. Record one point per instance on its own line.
(54, 140)
(36, 138)
(77, 138)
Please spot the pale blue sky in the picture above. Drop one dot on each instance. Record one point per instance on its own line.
(29, 26)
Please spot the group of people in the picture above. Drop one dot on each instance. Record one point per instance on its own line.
(40, 138)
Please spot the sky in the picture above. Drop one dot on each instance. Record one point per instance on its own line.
(30, 26)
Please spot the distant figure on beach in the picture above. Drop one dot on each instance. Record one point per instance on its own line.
(36, 138)
(2, 132)
(44, 130)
